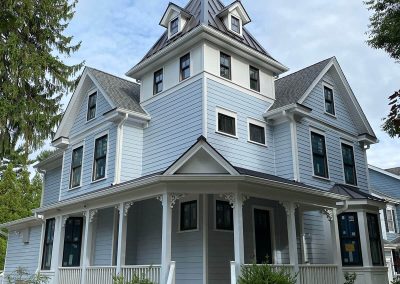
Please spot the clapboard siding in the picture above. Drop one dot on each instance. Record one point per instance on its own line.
(104, 236)
(25, 255)
(176, 123)
(239, 151)
(132, 151)
(384, 183)
(87, 184)
(283, 151)
(51, 191)
(334, 152)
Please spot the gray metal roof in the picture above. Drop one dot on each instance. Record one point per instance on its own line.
(353, 192)
(289, 89)
(123, 93)
(208, 17)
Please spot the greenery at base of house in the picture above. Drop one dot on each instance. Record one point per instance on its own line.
(135, 280)
(396, 280)
(22, 276)
(265, 274)
(350, 278)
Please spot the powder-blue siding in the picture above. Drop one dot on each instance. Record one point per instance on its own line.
(51, 191)
(104, 236)
(384, 183)
(132, 151)
(283, 150)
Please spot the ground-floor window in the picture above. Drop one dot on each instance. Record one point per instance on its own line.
(48, 244)
(375, 239)
(223, 215)
(73, 242)
(396, 260)
(350, 239)
(189, 215)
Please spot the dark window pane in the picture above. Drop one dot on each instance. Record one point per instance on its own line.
(319, 155)
(185, 66)
(72, 242)
(226, 124)
(48, 244)
(349, 164)
(329, 102)
(91, 113)
(254, 79)
(76, 167)
(375, 239)
(224, 215)
(189, 215)
(225, 66)
(235, 23)
(158, 81)
(349, 239)
(100, 158)
(174, 26)
(257, 133)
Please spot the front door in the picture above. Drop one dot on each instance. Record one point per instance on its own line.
(262, 232)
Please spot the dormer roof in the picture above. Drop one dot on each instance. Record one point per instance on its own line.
(169, 14)
(238, 6)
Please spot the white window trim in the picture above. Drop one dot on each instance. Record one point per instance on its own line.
(179, 26)
(163, 81)
(355, 162)
(240, 24)
(108, 150)
(258, 123)
(391, 208)
(320, 132)
(259, 79)
(190, 67)
(76, 146)
(91, 92)
(325, 84)
(184, 200)
(228, 113)
(215, 215)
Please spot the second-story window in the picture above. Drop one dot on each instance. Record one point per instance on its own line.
(174, 26)
(390, 220)
(226, 122)
(76, 167)
(235, 24)
(225, 66)
(320, 160)
(185, 66)
(91, 112)
(349, 164)
(100, 158)
(254, 79)
(329, 101)
(158, 81)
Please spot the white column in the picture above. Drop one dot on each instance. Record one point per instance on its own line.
(58, 247)
(337, 255)
(166, 237)
(122, 228)
(364, 239)
(87, 242)
(292, 238)
(236, 201)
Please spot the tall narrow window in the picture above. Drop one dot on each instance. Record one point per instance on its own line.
(349, 164)
(76, 167)
(254, 79)
(375, 239)
(72, 242)
(225, 66)
(226, 124)
(223, 215)
(235, 24)
(100, 158)
(350, 239)
(158, 81)
(91, 112)
(48, 244)
(319, 155)
(329, 101)
(189, 215)
(390, 220)
(185, 66)
(174, 26)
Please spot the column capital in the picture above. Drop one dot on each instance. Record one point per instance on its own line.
(290, 207)
(329, 213)
(64, 220)
(234, 198)
(90, 214)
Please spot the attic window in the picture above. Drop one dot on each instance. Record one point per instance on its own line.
(235, 24)
(174, 26)
(91, 112)
(329, 101)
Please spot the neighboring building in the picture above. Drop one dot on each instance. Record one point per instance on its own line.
(209, 164)
(385, 184)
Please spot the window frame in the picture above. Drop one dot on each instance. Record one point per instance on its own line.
(77, 146)
(156, 83)
(89, 107)
(330, 87)
(377, 239)
(256, 123)
(189, 67)
(239, 24)
(229, 113)
(47, 243)
(221, 55)
(392, 213)
(357, 238)
(180, 223)
(344, 144)
(97, 137)
(322, 134)
(72, 242)
(216, 228)
(171, 34)
(258, 80)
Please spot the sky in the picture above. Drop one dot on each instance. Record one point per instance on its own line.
(116, 34)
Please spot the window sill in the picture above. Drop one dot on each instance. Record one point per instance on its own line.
(331, 115)
(188, 231)
(352, 185)
(90, 120)
(74, 188)
(183, 80)
(223, 231)
(321, 178)
(227, 135)
(98, 180)
(259, 144)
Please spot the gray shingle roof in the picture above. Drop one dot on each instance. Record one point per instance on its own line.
(209, 18)
(353, 193)
(395, 171)
(123, 93)
(291, 88)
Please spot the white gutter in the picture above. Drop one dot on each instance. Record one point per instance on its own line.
(118, 160)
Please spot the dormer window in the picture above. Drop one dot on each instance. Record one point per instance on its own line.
(91, 112)
(174, 27)
(235, 25)
(329, 101)
(234, 17)
(174, 19)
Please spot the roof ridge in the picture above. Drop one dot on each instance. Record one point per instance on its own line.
(112, 75)
(300, 70)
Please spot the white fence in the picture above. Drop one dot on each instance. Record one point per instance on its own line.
(69, 275)
(150, 272)
(100, 274)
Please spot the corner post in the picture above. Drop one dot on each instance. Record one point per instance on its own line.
(87, 244)
(56, 258)
(337, 255)
(122, 228)
(290, 208)
(166, 236)
(236, 201)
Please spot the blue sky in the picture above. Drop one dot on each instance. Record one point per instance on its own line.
(116, 34)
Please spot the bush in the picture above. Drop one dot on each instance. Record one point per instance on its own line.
(135, 280)
(396, 280)
(350, 278)
(22, 276)
(265, 274)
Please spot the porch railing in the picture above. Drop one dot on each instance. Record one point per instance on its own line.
(171, 274)
(70, 275)
(100, 274)
(150, 272)
(316, 274)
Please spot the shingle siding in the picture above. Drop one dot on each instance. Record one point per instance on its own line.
(51, 192)
(283, 151)
(132, 153)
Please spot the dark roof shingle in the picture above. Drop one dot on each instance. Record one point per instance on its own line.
(353, 193)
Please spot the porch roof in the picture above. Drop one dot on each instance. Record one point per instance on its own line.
(354, 193)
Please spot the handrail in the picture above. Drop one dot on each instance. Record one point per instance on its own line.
(171, 274)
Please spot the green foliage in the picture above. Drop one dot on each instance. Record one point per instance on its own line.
(21, 275)
(396, 280)
(350, 278)
(265, 274)
(3, 246)
(33, 77)
(392, 122)
(135, 280)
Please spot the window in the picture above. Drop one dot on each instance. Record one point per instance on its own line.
(349, 165)
(374, 239)
(225, 66)
(226, 123)
(174, 26)
(223, 216)
(76, 167)
(72, 242)
(390, 220)
(100, 158)
(48, 244)
(320, 161)
(91, 113)
(235, 24)
(350, 239)
(158, 81)
(256, 132)
(254, 79)
(189, 215)
(185, 66)
(329, 103)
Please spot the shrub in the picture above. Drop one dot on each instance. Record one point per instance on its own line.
(135, 280)
(265, 274)
(350, 278)
(22, 276)
(396, 280)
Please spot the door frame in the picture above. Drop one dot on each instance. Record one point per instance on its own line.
(272, 230)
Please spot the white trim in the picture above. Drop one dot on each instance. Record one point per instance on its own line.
(162, 69)
(99, 135)
(62, 176)
(119, 150)
(215, 199)
(240, 24)
(179, 25)
(260, 123)
(205, 238)
(190, 66)
(232, 114)
(185, 199)
(322, 133)
(41, 246)
(329, 86)
(101, 90)
(91, 92)
(90, 130)
(342, 141)
(393, 212)
(74, 147)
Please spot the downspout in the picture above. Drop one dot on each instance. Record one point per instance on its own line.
(295, 151)
(118, 159)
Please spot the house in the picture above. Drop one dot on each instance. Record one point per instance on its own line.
(385, 184)
(209, 164)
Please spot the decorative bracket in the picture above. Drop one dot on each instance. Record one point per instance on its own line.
(160, 198)
(231, 198)
(64, 220)
(328, 213)
(92, 214)
(126, 207)
(175, 197)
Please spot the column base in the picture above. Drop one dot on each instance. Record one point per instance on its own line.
(369, 275)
